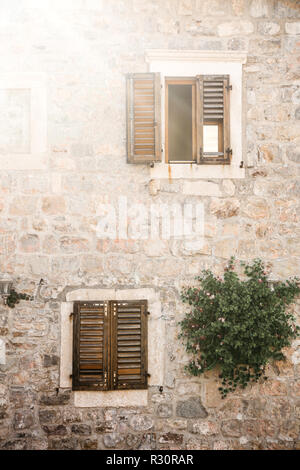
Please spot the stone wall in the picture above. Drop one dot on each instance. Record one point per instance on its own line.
(48, 217)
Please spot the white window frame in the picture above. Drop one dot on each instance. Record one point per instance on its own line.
(156, 347)
(36, 158)
(175, 63)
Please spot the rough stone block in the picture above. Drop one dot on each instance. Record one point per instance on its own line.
(201, 188)
(56, 399)
(25, 205)
(191, 408)
(89, 444)
(141, 422)
(23, 419)
(53, 205)
(66, 443)
(269, 28)
(256, 209)
(164, 410)
(231, 428)
(232, 28)
(83, 429)
(50, 361)
(224, 208)
(113, 440)
(48, 416)
(238, 7)
(29, 243)
(170, 438)
(259, 8)
(205, 428)
(55, 430)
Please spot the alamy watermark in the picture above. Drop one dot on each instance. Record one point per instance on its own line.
(137, 221)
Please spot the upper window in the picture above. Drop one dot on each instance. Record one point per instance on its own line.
(110, 345)
(196, 119)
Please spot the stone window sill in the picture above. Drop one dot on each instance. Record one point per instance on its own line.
(192, 171)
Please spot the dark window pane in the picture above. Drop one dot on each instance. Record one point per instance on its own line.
(180, 123)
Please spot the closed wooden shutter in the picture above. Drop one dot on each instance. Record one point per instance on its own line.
(213, 93)
(110, 345)
(90, 346)
(129, 344)
(143, 118)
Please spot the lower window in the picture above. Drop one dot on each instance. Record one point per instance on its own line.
(110, 345)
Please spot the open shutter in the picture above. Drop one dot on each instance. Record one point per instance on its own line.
(199, 118)
(213, 99)
(129, 344)
(90, 346)
(143, 118)
(226, 120)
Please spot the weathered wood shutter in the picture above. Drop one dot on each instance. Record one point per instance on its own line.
(90, 346)
(129, 344)
(110, 345)
(213, 92)
(143, 118)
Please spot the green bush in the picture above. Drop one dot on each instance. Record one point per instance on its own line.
(238, 325)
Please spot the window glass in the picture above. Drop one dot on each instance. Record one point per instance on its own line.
(180, 122)
(210, 138)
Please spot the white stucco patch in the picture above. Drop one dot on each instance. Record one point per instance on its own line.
(296, 354)
(2, 352)
(156, 346)
(91, 294)
(115, 398)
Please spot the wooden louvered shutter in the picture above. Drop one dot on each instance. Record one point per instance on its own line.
(213, 93)
(129, 344)
(143, 118)
(90, 346)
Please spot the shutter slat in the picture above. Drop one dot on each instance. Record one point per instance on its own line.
(213, 100)
(143, 115)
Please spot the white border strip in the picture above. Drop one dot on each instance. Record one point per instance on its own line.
(156, 347)
(195, 55)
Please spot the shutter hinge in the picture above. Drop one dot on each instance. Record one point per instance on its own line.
(147, 313)
(71, 315)
(147, 374)
(229, 151)
(228, 87)
(71, 376)
(242, 164)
